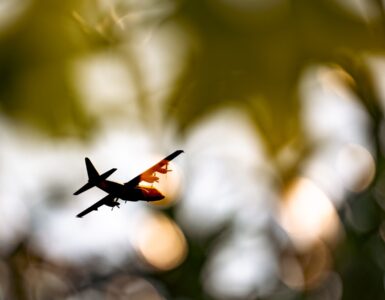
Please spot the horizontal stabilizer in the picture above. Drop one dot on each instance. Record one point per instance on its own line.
(84, 188)
(107, 174)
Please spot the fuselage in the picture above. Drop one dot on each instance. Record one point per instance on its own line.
(136, 193)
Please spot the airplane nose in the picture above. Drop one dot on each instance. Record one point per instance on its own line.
(156, 195)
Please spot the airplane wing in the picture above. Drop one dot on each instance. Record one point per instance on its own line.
(108, 200)
(155, 168)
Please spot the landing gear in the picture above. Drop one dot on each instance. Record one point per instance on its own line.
(115, 203)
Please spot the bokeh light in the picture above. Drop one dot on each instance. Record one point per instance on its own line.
(221, 153)
(307, 214)
(243, 266)
(307, 270)
(161, 243)
(365, 10)
(356, 167)
(11, 11)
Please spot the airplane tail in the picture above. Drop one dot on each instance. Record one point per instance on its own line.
(93, 177)
(91, 171)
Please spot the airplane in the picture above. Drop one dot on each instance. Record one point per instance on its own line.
(129, 191)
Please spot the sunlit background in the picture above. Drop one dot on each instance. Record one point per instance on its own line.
(279, 107)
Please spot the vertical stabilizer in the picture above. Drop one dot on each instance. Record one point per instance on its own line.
(91, 171)
(93, 176)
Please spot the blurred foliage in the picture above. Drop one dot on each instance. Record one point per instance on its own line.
(249, 58)
(257, 57)
(35, 55)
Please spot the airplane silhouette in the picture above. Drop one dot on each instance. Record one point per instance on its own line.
(129, 191)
